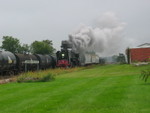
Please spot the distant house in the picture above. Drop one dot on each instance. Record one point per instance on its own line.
(140, 53)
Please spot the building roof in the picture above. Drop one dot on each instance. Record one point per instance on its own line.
(145, 45)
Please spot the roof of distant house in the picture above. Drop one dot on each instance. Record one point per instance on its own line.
(145, 45)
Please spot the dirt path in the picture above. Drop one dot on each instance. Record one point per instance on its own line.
(7, 79)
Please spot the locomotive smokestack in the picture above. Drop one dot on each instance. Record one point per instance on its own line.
(65, 44)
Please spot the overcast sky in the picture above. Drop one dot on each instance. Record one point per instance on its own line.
(30, 20)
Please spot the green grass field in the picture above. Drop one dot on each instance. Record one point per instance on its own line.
(100, 89)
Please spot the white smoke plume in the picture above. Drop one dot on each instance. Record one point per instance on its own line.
(105, 38)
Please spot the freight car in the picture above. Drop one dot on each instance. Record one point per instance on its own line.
(15, 63)
(7, 63)
(26, 62)
(89, 58)
(46, 61)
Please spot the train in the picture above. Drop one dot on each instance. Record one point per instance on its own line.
(14, 63)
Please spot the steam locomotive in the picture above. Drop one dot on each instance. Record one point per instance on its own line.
(16, 63)
(68, 58)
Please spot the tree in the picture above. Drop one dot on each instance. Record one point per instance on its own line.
(42, 47)
(49, 42)
(11, 44)
(25, 48)
(121, 58)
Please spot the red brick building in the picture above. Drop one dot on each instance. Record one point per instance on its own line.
(139, 54)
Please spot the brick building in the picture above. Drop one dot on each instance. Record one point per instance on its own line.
(140, 53)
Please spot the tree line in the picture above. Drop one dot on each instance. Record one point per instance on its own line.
(13, 45)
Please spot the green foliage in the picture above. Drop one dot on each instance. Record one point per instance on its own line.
(11, 44)
(114, 58)
(37, 47)
(35, 77)
(49, 42)
(25, 48)
(145, 74)
(121, 58)
(42, 47)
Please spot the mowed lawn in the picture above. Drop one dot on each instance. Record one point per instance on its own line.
(100, 89)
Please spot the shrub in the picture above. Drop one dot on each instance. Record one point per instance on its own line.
(47, 77)
(145, 74)
(35, 77)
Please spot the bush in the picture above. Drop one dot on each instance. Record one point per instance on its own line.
(47, 78)
(35, 77)
(145, 74)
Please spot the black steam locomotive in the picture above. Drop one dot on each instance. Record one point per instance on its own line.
(68, 58)
(15, 63)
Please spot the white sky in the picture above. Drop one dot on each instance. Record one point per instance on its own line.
(30, 20)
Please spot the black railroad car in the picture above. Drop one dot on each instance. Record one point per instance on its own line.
(27, 62)
(7, 62)
(48, 59)
(42, 61)
(53, 63)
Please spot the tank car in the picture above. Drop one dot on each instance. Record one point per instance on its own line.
(48, 59)
(7, 62)
(44, 61)
(53, 63)
(26, 62)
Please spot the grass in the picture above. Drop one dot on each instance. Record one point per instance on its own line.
(100, 89)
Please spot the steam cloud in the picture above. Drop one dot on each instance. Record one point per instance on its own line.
(105, 38)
